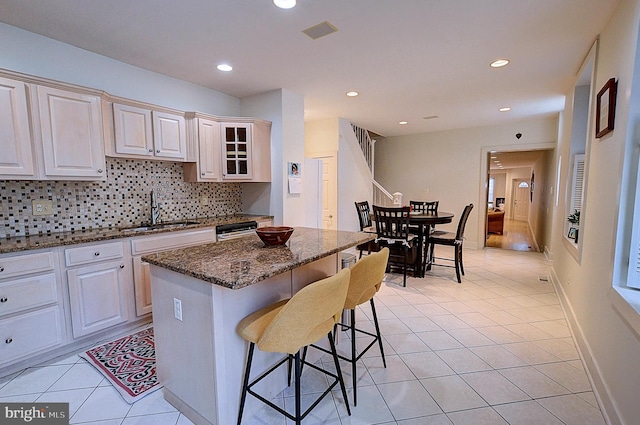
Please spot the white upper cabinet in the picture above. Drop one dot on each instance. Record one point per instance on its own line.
(229, 149)
(16, 155)
(141, 131)
(132, 126)
(71, 131)
(49, 133)
(236, 150)
(206, 141)
(169, 135)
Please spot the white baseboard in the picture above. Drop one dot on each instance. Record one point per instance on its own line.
(600, 388)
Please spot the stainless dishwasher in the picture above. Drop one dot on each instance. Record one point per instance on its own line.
(235, 230)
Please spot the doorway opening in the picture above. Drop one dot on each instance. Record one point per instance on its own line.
(515, 215)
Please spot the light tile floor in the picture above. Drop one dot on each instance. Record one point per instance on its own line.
(495, 349)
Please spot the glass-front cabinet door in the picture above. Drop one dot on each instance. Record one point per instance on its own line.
(236, 149)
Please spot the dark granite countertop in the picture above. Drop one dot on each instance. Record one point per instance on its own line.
(241, 262)
(25, 243)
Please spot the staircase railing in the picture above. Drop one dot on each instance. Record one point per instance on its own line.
(366, 145)
(381, 196)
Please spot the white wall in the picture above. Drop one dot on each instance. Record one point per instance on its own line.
(285, 110)
(335, 136)
(427, 166)
(611, 346)
(29, 53)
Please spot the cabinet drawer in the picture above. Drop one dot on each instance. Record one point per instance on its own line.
(21, 294)
(171, 240)
(93, 254)
(25, 264)
(29, 333)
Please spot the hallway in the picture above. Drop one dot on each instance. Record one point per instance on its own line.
(516, 237)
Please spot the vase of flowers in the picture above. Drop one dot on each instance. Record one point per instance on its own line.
(574, 218)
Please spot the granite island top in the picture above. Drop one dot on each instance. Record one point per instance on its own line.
(51, 240)
(241, 262)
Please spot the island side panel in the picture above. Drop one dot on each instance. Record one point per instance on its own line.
(200, 360)
(184, 349)
(230, 306)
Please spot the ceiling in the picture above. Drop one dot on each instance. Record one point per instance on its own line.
(514, 159)
(409, 59)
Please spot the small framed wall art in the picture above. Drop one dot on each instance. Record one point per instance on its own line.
(573, 234)
(606, 108)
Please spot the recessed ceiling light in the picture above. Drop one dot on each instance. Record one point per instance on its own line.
(507, 109)
(403, 122)
(224, 67)
(499, 63)
(352, 93)
(285, 4)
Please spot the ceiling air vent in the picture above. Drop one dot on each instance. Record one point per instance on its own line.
(320, 30)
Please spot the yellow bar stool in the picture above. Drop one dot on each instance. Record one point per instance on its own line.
(289, 326)
(365, 281)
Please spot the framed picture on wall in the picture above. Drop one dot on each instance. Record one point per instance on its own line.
(531, 185)
(606, 108)
(573, 234)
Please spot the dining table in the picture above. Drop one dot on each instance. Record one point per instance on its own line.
(424, 221)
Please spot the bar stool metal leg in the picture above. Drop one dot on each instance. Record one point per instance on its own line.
(375, 322)
(245, 383)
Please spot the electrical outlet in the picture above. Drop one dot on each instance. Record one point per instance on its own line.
(177, 309)
(42, 207)
(204, 200)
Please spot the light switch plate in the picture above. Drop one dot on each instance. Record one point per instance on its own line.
(42, 207)
(177, 309)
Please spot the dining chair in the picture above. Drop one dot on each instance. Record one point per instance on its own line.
(290, 326)
(392, 228)
(366, 225)
(430, 207)
(440, 237)
(424, 206)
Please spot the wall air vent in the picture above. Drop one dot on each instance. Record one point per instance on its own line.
(320, 30)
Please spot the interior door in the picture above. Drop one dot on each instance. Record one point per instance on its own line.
(329, 193)
(521, 200)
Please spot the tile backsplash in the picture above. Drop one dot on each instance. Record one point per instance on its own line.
(123, 199)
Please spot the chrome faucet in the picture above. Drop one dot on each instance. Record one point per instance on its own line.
(155, 208)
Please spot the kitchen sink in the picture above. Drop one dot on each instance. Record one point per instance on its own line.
(158, 226)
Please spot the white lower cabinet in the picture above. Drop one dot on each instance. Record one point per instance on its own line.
(31, 307)
(151, 244)
(98, 289)
(96, 297)
(29, 333)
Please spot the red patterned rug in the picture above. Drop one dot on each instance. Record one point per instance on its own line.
(129, 363)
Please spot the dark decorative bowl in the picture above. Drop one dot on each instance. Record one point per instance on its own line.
(274, 235)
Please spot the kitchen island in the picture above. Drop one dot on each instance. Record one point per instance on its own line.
(200, 294)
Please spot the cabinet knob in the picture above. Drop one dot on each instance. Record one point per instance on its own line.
(202, 174)
(4, 299)
(122, 266)
(158, 151)
(100, 171)
(96, 253)
(150, 150)
(1, 269)
(8, 340)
